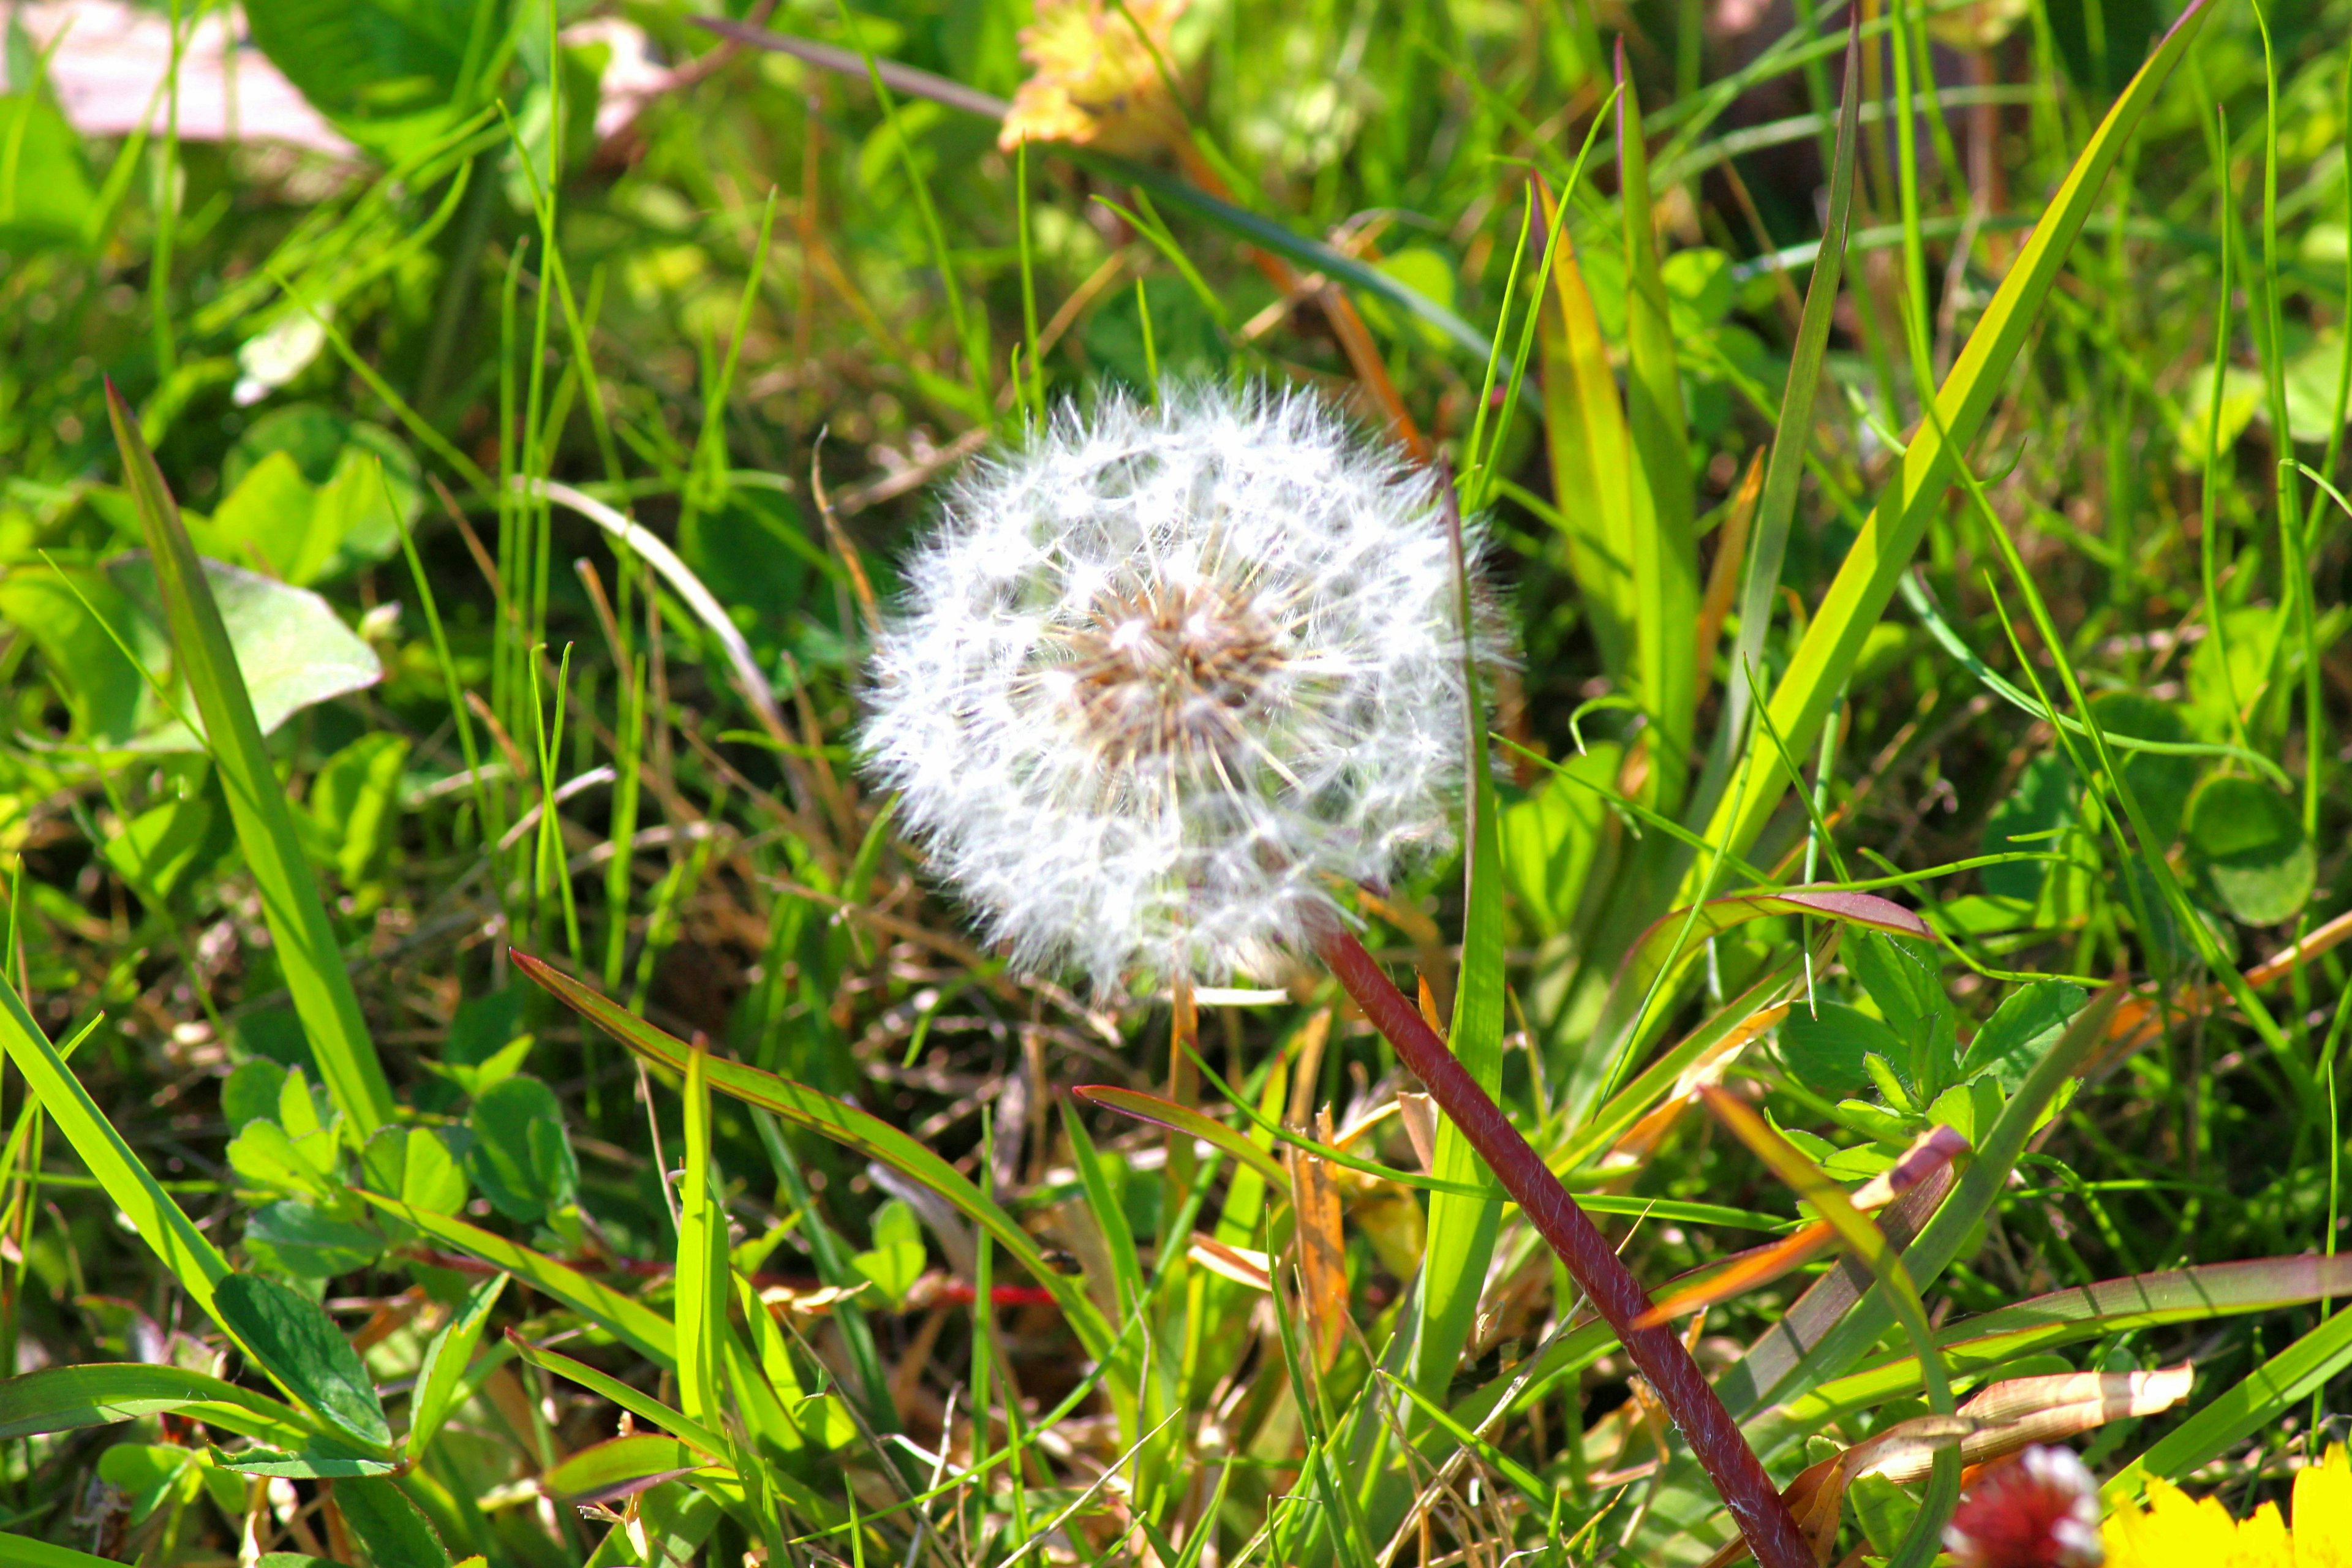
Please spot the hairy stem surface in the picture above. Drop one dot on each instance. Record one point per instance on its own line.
(1714, 1437)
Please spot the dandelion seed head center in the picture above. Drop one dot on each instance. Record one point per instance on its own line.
(1162, 668)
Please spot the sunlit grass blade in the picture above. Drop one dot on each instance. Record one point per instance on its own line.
(308, 954)
(1880, 554)
(445, 1360)
(1461, 1227)
(67, 1398)
(194, 1264)
(1591, 458)
(1786, 466)
(638, 1326)
(2252, 1406)
(843, 1123)
(1665, 554)
(1164, 1112)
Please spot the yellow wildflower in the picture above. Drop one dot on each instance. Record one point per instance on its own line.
(2172, 1530)
(1094, 78)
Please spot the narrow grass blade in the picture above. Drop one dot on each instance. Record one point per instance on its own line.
(1665, 555)
(1785, 466)
(1928, 1258)
(1867, 580)
(308, 954)
(1161, 1111)
(2287, 1380)
(192, 1262)
(640, 1326)
(700, 1307)
(66, 1398)
(675, 1423)
(844, 1124)
(445, 1362)
(1591, 461)
(1461, 1226)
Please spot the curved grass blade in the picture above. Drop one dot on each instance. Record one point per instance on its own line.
(2287, 1379)
(1793, 431)
(1881, 551)
(635, 1324)
(841, 1123)
(1161, 1111)
(307, 953)
(644, 1407)
(445, 1362)
(192, 1262)
(64, 1398)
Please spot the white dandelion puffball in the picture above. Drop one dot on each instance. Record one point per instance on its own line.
(1163, 675)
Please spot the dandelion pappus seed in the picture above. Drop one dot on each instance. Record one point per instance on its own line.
(1164, 674)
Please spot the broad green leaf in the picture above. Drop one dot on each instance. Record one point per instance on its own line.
(355, 799)
(263, 1154)
(45, 194)
(2022, 1029)
(2247, 842)
(2162, 780)
(65, 612)
(312, 494)
(392, 75)
(447, 1358)
(522, 1158)
(166, 848)
(896, 1260)
(64, 1398)
(2029, 819)
(300, 1239)
(1880, 554)
(291, 649)
(185, 1252)
(1905, 979)
(1823, 1046)
(144, 1473)
(297, 1344)
(309, 955)
(1548, 840)
(390, 1528)
(843, 1123)
(644, 1331)
(414, 1165)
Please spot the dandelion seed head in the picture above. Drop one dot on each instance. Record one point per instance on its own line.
(1165, 674)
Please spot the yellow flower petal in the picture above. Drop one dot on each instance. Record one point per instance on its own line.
(2322, 1507)
(1094, 80)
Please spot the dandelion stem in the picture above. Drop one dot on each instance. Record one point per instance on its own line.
(1714, 1437)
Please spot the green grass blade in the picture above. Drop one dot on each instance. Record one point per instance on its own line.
(444, 1364)
(700, 1307)
(1782, 471)
(636, 1404)
(307, 953)
(2287, 1379)
(1879, 555)
(635, 1324)
(1665, 553)
(66, 1398)
(843, 1123)
(1584, 429)
(1462, 1226)
(193, 1262)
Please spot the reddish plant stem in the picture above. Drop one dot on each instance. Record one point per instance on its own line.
(1714, 1437)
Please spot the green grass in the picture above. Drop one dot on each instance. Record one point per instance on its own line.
(605, 450)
